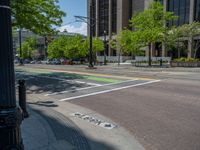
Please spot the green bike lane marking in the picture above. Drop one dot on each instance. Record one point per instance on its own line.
(69, 75)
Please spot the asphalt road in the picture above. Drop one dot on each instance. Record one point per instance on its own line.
(162, 115)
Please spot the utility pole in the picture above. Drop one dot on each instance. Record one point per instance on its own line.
(91, 34)
(20, 47)
(150, 53)
(104, 34)
(10, 114)
(105, 45)
(46, 47)
(90, 22)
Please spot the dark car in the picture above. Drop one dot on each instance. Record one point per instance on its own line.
(56, 62)
(27, 61)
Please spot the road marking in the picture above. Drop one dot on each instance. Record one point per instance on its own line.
(89, 74)
(79, 89)
(94, 120)
(93, 84)
(107, 91)
(80, 82)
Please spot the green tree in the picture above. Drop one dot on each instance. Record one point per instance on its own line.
(56, 47)
(97, 46)
(189, 32)
(72, 47)
(75, 47)
(67, 47)
(38, 16)
(150, 25)
(28, 48)
(128, 42)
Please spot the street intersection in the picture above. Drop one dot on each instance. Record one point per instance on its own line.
(159, 108)
(68, 86)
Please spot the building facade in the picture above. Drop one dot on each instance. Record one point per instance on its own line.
(40, 42)
(111, 16)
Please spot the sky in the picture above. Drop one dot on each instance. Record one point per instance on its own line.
(73, 8)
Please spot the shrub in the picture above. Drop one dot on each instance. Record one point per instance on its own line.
(182, 59)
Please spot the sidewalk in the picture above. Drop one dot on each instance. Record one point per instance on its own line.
(38, 135)
(52, 127)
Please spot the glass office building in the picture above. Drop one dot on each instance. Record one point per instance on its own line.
(113, 15)
(197, 10)
(181, 8)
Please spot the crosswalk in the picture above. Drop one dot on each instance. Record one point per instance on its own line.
(64, 89)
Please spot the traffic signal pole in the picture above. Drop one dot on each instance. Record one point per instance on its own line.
(10, 114)
(91, 34)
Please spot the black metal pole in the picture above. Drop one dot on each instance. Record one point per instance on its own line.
(20, 47)
(91, 34)
(104, 47)
(22, 97)
(150, 48)
(10, 114)
(104, 32)
(46, 47)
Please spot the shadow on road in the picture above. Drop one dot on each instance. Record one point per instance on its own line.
(49, 82)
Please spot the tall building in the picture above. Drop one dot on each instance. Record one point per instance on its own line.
(111, 16)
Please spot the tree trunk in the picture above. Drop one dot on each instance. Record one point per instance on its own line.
(150, 52)
(163, 49)
(190, 42)
(119, 56)
(197, 45)
(179, 53)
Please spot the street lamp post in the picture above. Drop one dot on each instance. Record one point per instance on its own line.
(91, 34)
(45, 47)
(10, 114)
(90, 22)
(104, 40)
(20, 47)
(150, 48)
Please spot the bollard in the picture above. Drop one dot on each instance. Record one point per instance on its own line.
(22, 97)
(161, 62)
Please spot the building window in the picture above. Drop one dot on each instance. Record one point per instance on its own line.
(114, 16)
(197, 10)
(181, 9)
(103, 16)
(93, 16)
(161, 1)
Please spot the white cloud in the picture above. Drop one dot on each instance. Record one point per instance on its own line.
(72, 29)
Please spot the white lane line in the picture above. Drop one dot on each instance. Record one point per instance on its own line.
(90, 87)
(107, 91)
(88, 83)
(80, 82)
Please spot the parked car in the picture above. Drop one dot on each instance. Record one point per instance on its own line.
(33, 62)
(49, 61)
(56, 62)
(69, 62)
(27, 61)
(16, 61)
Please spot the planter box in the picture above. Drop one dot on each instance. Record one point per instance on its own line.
(184, 64)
